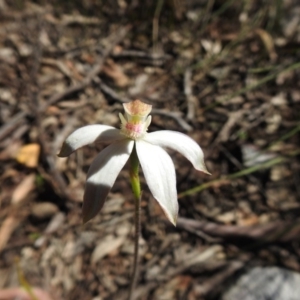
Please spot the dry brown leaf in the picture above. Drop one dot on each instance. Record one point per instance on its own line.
(7, 228)
(268, 43)
(112, 70)
(105, 247)
(28, 155)
(249, 221)
(44, 210)
(22, 190)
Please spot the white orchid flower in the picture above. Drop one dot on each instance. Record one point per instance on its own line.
(156, 163)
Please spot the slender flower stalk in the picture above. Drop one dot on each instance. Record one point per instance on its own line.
(134, 174)
(145, 149)
(136, 188)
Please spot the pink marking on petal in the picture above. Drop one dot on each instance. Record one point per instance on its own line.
(138, 128)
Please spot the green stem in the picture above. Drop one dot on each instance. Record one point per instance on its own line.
(136, 188)
(268, 164)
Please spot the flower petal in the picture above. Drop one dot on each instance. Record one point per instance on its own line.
(181, 143)
(89, 134)
(159, 172)
(102, 175)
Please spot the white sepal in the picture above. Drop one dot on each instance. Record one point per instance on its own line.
(87, 135)
(179, 142)
(102, 175)
(159, 173)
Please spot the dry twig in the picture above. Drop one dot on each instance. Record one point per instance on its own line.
(174, 115)
(190, 98)
(277, 231)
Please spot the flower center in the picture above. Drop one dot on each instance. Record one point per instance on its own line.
(135, 122)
